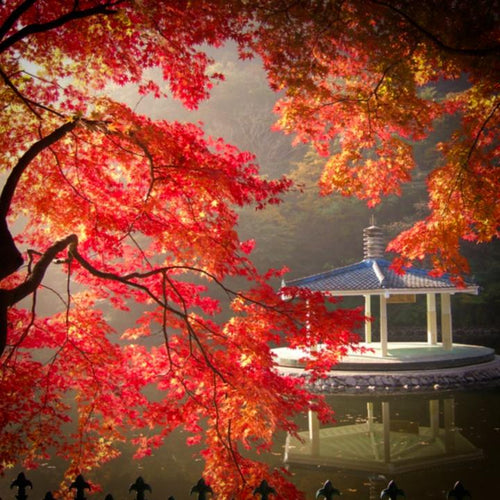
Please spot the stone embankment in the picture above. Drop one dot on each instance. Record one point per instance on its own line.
(485, 374)
(424, 378)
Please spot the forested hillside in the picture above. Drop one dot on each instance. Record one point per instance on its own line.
(309, 233)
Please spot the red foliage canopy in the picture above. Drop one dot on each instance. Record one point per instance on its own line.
(136, 210)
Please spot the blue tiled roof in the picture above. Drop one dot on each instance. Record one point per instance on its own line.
(374, 274)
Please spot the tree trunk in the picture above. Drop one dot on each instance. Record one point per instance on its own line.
(10, 257)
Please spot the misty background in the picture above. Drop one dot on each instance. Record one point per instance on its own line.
(309, 233)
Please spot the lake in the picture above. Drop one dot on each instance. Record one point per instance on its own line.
(425, 442)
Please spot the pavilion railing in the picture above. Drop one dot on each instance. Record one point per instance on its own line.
(139, 489)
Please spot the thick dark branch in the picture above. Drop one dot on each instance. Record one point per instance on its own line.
(23, 162)
(10, 297)
(106, 275)
(39, 269)
(126, 280)
(14, 16)
(477, 52)
(32, 29)
(10, 257)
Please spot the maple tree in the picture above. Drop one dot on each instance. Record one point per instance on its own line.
(135, 210)
(355, 76)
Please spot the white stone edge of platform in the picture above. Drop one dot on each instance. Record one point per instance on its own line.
(291, 357)
(337, 381)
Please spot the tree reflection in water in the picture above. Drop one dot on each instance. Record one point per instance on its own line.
(424, 442)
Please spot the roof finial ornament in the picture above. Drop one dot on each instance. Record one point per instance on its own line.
(372, 219)
(373, 242)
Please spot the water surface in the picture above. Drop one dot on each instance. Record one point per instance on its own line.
(425, 442)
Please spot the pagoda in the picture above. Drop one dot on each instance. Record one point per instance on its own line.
(373, 276)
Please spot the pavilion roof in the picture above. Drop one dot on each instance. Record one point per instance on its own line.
(375, 276)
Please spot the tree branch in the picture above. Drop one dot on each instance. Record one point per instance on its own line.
(29, 103)
(35, 278)
(9, 255)
(14, 16)
(32, 29)
(10, 297)
(14, 89)
(23, 162)
(494, 49)
(479, 133)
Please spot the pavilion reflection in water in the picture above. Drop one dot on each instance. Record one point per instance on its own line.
(384, 444)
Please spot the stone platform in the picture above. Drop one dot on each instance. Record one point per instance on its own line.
(408, 366)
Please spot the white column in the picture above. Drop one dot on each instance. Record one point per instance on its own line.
(446, 333)
(314, 432)
(383, 325)
(370, 418)
(431, 319)
(386, 422)
(368, 323)
(369, 415)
